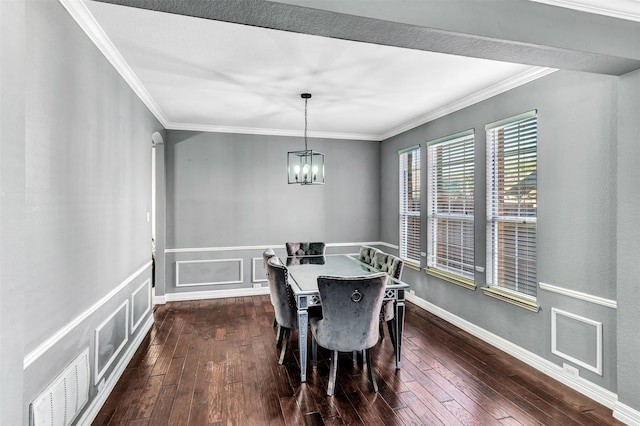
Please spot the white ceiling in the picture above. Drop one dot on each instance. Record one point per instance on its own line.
(198, 74)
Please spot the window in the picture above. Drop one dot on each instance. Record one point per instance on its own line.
(450, 230)
(410, 204)
(512, 208)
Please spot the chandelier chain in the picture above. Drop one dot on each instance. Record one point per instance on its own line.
(305, 124)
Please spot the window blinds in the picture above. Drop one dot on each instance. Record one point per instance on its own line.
(410, 204)
(512, 204)
(451, 204)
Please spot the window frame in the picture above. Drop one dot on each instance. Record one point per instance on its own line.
(457, 164)
(410, 255)
(512, 222)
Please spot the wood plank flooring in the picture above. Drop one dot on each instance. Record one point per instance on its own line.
(215, 362)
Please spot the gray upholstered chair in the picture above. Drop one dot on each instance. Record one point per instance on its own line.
(350, 309)
(266, 255)
(367, 254)
(284, 303)
(305, 253)
(393, 266)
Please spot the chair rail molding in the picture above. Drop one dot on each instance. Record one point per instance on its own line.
(579, 295)
(32, 356)
(273, 246)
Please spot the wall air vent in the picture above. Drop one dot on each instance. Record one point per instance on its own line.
(62, 401)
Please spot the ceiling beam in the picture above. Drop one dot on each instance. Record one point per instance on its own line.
(512, 31)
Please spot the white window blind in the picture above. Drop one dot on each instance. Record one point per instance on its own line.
(410, 204)
(512, 204)
(450, 235)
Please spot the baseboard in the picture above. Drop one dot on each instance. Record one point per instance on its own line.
(626, 414)
(96, 404)
(587, 388)
(214, 294)
(159, 300)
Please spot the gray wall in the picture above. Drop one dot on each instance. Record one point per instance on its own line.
(628, 266)
(230, 190)
(81, 182)
(576, 214)
(12, 193)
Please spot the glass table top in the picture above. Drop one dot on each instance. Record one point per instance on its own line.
(304, 271)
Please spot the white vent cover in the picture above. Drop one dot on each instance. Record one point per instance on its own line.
(61, 402)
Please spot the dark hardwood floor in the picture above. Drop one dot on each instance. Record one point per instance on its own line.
(215, 362)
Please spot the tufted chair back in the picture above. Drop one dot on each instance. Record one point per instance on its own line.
(266, 255)
(350, 309)
(305, 253)
(284, 303)
(367, 254)
(388, 263)
(305, 249)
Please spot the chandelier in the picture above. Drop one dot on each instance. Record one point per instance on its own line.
(305, 167)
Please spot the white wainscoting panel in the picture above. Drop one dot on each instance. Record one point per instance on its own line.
(96, 403)
(597, 326)
(140, 304)
(191, 273)
(258, 274)
(110, 338)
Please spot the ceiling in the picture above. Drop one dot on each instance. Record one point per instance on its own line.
(208, 75)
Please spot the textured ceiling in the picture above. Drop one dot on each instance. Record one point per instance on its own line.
(203, 74)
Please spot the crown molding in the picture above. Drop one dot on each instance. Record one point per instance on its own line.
(583, 7)
(524, 77)
(81, 14)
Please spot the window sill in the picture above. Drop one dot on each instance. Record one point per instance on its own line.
(454, 279)
(411, 265)
(509, 297)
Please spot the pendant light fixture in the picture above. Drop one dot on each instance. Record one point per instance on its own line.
(305, 167)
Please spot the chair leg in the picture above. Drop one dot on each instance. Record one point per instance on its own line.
(381, 330)
(355, 356)
(333, 371)
(285, 344)
(314, 351)
(279, 336)
(372, 376)
(392, 334)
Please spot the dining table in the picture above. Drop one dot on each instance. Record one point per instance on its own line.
(303, 280)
